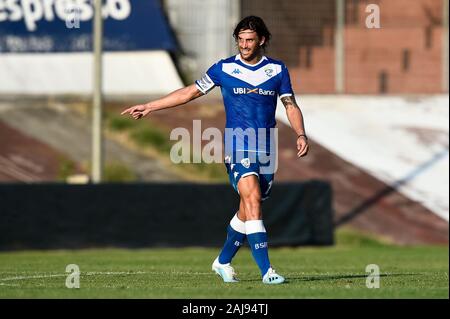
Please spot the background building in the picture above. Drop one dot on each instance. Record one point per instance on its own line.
(405, 56)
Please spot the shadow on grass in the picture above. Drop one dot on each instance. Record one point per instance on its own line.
(332, 277)
(337, 277)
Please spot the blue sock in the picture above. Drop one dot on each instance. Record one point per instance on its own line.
(257, 239)
(235, 239)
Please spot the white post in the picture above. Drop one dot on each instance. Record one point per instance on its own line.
(445, 57)
(340, 47)
(97, 147)
(234, 18)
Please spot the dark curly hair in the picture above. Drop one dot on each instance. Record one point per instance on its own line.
(256, 24)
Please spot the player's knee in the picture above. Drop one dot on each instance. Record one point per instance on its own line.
(252, 199)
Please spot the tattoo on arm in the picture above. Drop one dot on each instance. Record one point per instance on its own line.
(289, 102)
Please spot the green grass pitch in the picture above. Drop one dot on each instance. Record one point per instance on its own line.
(325, 272)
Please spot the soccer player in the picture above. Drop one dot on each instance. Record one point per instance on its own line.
(250, 83)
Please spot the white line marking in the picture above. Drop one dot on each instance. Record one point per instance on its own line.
(93, 273)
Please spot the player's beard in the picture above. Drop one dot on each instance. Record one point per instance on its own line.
(251, 54)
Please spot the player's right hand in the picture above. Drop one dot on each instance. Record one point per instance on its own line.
(137, 111)
(302, 146)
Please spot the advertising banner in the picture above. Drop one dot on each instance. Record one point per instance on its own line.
(66, 26)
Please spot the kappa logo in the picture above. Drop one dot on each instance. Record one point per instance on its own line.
(245, 162)
(236, 174)
(236, 71)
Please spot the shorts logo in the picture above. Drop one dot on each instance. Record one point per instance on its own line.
(245, 162)
(268, 188)
(236, 174)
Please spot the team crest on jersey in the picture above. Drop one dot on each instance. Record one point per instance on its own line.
(245, 162)
(269, 72)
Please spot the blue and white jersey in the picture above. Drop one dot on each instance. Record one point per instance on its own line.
(250, 95)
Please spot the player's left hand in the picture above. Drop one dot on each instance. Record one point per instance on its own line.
(302, 146)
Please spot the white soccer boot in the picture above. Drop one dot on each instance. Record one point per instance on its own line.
(225, 271)
(272, 278)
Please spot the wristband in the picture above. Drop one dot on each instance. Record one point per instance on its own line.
(306, 137)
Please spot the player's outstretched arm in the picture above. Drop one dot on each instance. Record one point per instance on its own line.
(295, 117)
(176, 98)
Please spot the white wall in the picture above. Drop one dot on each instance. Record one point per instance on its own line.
(402, 141)
(146, 72)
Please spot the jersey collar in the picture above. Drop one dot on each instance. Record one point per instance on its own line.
(238, 57)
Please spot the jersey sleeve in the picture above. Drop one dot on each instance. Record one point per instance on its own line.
(210, 79)
(285, 88)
